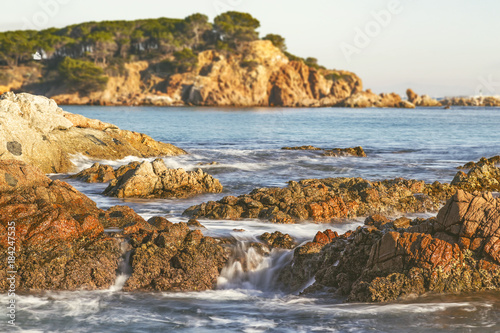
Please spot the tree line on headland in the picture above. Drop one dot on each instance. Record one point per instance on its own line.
(84, 55)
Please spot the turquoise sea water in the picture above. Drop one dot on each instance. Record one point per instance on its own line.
(423, 144)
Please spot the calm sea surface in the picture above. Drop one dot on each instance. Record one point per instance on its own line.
(423, 144)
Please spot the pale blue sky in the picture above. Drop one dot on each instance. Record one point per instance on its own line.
(445, 47)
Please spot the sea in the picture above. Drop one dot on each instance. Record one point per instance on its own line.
(245, 144)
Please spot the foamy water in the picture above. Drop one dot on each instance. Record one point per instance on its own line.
(421, 144)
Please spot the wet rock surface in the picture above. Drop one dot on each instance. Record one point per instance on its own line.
(35, 130)
(458, 251)
(329, 199)
(155, 180)
(323, 200)
(175, 258)
(102, 173)
(335, 152)
(278, 239)
(59, 235)
(482, 176)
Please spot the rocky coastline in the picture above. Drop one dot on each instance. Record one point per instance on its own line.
(65, 242)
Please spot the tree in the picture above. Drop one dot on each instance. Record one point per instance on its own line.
(184, 61)
(196, 26)
(235, 27)
(82, 76)
(103, 45)
(277, 41)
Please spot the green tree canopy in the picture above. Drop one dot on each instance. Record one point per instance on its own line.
(82, 76)
(234, 27)
(277, 41)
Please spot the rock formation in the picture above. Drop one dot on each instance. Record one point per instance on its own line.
(458, 251)
(258, 74)
(493, 160)
(335, 152)
(423, 100)
(483, 176)
(155, 180)
(35, 130)
(471, 101)
(59, 236)
(366, 99)
(101, 173)
(322, 200)
(174, 259)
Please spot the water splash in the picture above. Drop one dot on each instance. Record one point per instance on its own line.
(253, 266)
(124, 267)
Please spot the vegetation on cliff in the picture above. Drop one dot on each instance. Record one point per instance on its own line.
(82, 57)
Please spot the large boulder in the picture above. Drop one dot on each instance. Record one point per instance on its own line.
(58, 233)
(155, 180)
(424, 100)
(102, 173)
(35, 130)
(174, 258)
(482, 176)
(457, 252)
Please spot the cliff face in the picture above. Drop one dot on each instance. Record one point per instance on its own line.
(258, 75)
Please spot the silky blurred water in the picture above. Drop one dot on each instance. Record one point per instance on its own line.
(423, 144)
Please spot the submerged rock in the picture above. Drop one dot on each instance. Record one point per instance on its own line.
(336, 152)
(458, 251)
(155, 180)
(35, 130)
(175, 259)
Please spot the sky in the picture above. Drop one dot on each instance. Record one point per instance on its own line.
(441, 48)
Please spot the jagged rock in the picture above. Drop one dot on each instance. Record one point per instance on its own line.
(35, 130)
(259, 75)
(356, 151)
(194, 223)
(278, 239)
(97, 173)
(492, 160)
(175, 259)
(483, 176)
(366, 99)
(322, 200)
(457, 252)
(101, 173)
(155, 180)
(59, 235)
(423, 100)
(471, 101)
